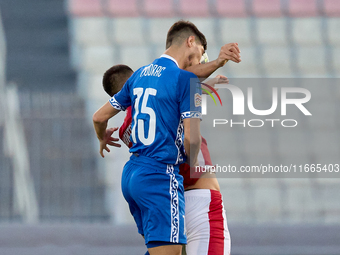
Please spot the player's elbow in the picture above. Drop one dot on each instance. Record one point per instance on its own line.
(192, 134)
(97, 118)
(193, 140)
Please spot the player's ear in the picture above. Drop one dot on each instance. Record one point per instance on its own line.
(191, 41)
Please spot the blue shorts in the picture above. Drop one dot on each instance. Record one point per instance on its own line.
(155, 194)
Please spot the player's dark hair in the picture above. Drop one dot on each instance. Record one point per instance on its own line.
(115, 78)
(181, 30)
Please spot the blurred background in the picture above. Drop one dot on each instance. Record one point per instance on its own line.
(58, 196)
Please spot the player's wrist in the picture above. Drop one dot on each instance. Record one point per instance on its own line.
(221, 62)
(101, 137)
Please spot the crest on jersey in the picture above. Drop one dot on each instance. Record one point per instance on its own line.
(198, 100)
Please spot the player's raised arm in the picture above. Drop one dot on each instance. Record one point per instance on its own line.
(190, 108)
(228, 52)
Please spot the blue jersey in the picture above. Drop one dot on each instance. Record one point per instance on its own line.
(161, 96)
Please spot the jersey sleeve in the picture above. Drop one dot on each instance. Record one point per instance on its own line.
(189, 95)
(122, 99)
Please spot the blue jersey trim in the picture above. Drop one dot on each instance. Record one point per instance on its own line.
(116, 105)
(193, 115)
(174, 236)
(179, 142)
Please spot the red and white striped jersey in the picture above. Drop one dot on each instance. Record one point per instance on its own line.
(125, 129)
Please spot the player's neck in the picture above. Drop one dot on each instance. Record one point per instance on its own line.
(178, 54)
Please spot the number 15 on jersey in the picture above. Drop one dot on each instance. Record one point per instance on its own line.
(145, 110)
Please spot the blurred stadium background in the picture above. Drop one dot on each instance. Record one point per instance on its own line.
(57, 196)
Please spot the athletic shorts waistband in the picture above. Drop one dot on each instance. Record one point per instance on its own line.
(147, 160)
(202, 192)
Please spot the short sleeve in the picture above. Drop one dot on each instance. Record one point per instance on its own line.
(190, 95)
(122, 99)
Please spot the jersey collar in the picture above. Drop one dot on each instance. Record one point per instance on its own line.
(169, 57)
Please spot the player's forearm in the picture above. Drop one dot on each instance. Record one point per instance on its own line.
(204, 71)
(192, 147)
(100, 128)
(101, 117)
(192, 140)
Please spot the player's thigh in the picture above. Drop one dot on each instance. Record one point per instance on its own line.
(219, 233)
(198, 242)
(206, 224)
(137, 216)
(160, 197)
(166, 250)
(126, 190)
(197, 204)
(128, 172)
(227, 239)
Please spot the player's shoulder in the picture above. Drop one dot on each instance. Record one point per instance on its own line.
(186, 76)
(185, 73)
(138, 71)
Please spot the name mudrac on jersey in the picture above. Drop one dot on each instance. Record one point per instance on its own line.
(152, 70)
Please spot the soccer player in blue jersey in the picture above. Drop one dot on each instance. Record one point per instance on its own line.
(162, 109)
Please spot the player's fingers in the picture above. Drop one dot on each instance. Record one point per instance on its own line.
(101, 153)
(114, 144)
(235, 50)
(235, 45)
(232, 57)
(238, 49)
(228, 55)
(113, 139)
(109, 133)
(107, 148)
(220, 76)
(222, 81)
(226, 47)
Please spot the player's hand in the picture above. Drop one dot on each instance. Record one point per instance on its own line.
(222, 79)
(108, 140)
(229, 51)
(219, 79)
